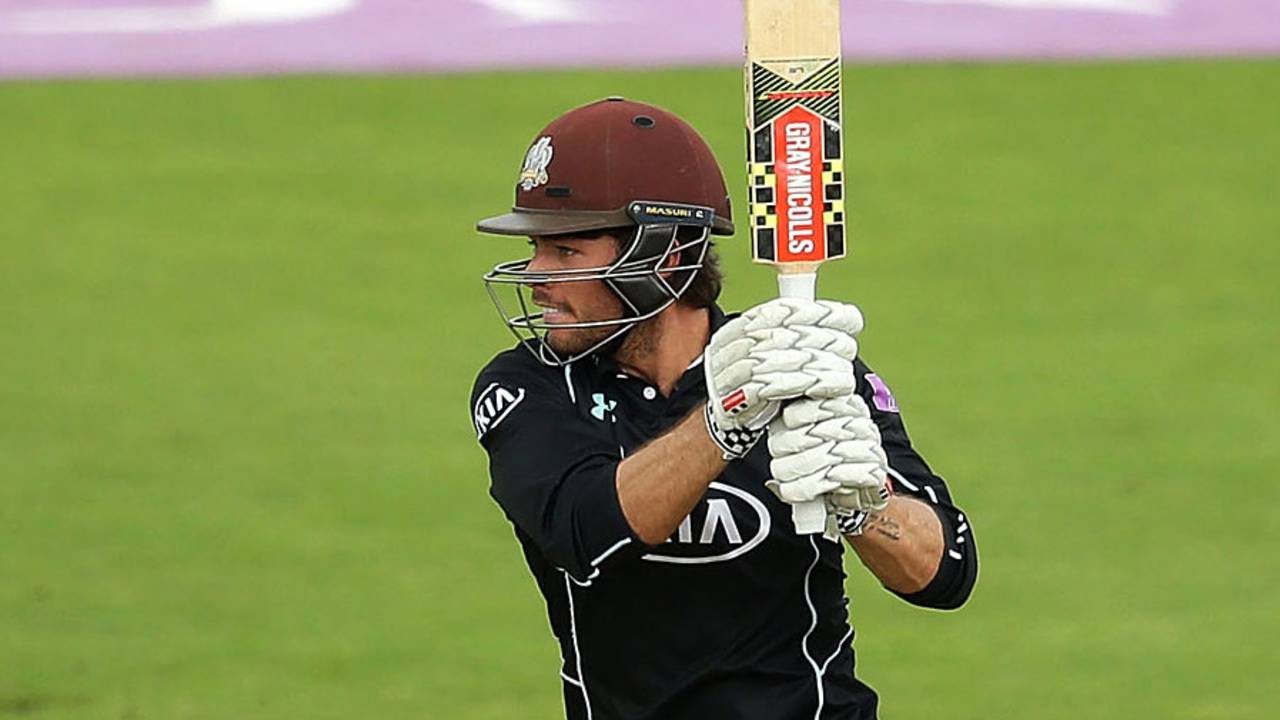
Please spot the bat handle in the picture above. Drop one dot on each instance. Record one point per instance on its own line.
(809, 518)
(801, 285)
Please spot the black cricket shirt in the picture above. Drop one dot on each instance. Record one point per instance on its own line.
(735, 616)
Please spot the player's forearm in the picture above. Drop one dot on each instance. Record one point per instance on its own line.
(901, 545)
(659, 485)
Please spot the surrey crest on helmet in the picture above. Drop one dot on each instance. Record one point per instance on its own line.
(536, 161)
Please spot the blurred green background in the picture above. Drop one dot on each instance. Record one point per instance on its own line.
(240, 320)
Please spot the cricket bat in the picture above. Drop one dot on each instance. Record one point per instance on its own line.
(794, 153)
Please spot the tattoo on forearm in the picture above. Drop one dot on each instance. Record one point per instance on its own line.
(885, 526)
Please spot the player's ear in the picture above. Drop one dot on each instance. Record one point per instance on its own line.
(674, 255)
(672, 259)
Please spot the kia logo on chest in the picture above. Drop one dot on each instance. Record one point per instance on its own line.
(728, 523)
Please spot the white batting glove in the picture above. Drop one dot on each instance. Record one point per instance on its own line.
(783, 349)
(829, 448)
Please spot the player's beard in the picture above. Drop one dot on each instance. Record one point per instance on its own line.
(640, 343)
(602, 306)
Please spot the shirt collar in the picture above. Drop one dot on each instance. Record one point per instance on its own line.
(718, 318)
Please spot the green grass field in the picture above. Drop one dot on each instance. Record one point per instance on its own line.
(241, 318)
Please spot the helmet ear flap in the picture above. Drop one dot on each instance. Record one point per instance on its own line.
(662, 283)
(645, 294)
(653, 242)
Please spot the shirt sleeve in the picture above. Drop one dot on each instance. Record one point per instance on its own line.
(910, 475)
(552, 479)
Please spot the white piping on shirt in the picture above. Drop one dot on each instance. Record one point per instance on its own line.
(568, 383)
(898, 476)
(596, 564)
(933, 495)
(582, 583)
(813, 623)
(616, 547)
(577, 654)
(836, 652)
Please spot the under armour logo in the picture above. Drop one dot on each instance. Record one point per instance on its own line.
(602, 407)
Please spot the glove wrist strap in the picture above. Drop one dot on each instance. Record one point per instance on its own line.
(734, 443)
(852, 523)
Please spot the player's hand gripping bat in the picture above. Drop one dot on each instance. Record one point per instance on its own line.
(794, 152)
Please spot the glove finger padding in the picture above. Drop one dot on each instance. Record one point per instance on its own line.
(732, 350)
(804, 311)
(859, 451)
(830, 445)
(805, 337)
(730, 332)
(792, 467)
(857, 476)
(733, 392)
(778, 338)
(792, 314)
(866, 499)
(780, 361)
(833, 376)
(789, 374)
(783, 442)
(781, 350)
(847, 429)
(842, 316)
(732, 374)
(829, 314)
(835, 430)
(784, 385)
(834, 342)
(806, 412)
(775, 313)
(802, 490)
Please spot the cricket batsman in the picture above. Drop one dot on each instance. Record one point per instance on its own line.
(646, 447)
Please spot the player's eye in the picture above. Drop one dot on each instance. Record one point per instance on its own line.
(566, 251)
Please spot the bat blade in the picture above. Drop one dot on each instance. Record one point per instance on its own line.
(794, 138)
(795, 153)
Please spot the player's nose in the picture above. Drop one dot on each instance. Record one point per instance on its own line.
(536, 264)
(538, 261)
(534, 279)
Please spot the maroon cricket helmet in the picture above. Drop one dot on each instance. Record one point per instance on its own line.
(585, 168)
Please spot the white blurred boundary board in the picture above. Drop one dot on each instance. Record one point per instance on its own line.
(203, 37)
